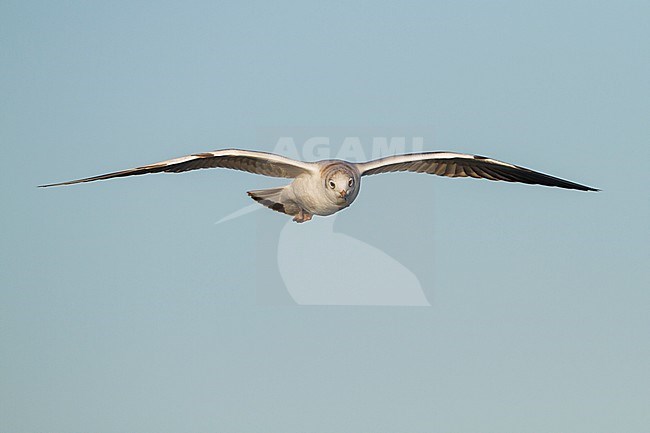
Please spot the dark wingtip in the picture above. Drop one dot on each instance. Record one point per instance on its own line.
(52, 184)
(584, 188)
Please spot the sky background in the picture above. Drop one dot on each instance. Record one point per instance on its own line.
(123, 307)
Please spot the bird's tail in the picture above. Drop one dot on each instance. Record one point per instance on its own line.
(270, 198)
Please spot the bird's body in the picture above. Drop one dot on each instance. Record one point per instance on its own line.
(305, 196)
(326, 187)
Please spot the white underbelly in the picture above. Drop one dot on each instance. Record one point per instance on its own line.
(325, 209)
(319, 205)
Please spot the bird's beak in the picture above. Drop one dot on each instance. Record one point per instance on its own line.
(343, 193)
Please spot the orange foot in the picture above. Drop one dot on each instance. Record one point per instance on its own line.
(302, 216)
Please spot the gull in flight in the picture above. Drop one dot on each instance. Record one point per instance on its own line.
(326, 187)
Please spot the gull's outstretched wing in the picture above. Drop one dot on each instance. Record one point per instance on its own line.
(268, 164)
(462, 165)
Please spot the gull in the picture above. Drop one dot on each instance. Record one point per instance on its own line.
(326, 187)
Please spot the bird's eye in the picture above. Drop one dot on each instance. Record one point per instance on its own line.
(332, 184)
(350, 182)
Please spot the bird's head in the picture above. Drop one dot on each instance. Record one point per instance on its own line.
(341, 184)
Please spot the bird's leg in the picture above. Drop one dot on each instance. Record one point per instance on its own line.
(302, 216)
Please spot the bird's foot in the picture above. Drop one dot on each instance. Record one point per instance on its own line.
(302, 217)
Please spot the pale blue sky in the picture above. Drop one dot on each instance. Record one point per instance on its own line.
(123, 307)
